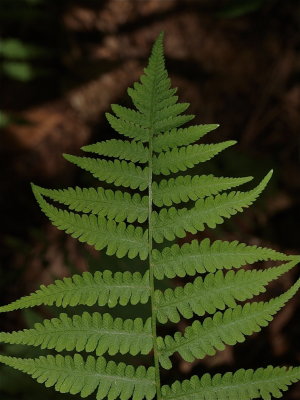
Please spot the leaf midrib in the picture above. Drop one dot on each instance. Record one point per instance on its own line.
(74, 371)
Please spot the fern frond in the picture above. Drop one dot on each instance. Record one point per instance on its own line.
(171, 223)
(87, 332)
(230, 327)
(186, 188)
(215, 292)
(76, 375)
(118, 238)
(117, 205)
(204, 256)
(102, 288)
(242, 385)
(186, 157)
(111, 220)
(120, 173)
(181, 137)
(130, 151)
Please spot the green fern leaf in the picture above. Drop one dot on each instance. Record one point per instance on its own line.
(242, 385)
(208, 257)
(116, 205)
(181, 137)
(186, 157)
(215, 292)
(75, 375)
(110, 220)
(229, 328)
(119, 239)
(171, 223)
(186, 188)
(88, 332)
(102, 288)
(130, 151)
(120, 173)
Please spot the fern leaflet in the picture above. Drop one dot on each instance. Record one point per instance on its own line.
(186, 157)
(186, 188)
(75, 375)
(119, 238)
(171, 223)
(130, 151)
(115, 205)
(120, 173)
(102, 288)
(215, 292)
(208, 257)
(181, 137)
(89, 332)
(229, 327)
(242, 384)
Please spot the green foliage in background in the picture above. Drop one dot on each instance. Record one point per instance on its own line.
(17, 59)
(159, 205)
(239, 8)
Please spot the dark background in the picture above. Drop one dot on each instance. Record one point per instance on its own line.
(64, 62)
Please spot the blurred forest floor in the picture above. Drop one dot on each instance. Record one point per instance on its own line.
(64, 62)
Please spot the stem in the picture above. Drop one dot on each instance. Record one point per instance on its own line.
(151, 275)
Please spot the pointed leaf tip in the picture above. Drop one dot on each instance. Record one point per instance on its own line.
(232, 142)
(67, 157)
(34, 188)
(158, 44)
(268, 176)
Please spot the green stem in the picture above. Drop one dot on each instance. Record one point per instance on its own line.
(151, 276)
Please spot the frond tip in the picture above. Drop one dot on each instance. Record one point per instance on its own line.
(76, 375)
